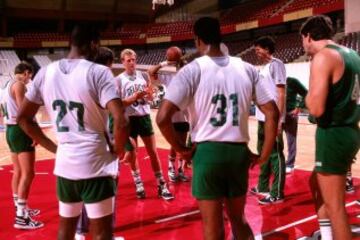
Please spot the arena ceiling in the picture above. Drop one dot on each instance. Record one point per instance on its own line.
(136, 10)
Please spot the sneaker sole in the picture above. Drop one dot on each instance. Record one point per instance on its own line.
(269, 203)
(264, 194)
(27, 227)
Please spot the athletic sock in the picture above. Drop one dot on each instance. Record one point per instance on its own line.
(181, 165)
(21, 206)
(171, 162)
(159, 178)
(325, 229)
(136, 176)
(15, 199)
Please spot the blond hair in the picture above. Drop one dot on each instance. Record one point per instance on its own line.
(127, 51)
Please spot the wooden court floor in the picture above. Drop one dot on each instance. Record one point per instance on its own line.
(305, 145)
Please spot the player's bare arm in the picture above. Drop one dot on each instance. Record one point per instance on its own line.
(163, 120)
(120, 130)
(326, 68)
(130, 100)
(25, 118)
(271, 113)
(18, 90)
(281, 91)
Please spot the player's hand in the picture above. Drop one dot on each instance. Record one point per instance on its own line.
(187, 153)
(139, 94)
(279, 128)
(254, 159)
(295, 112)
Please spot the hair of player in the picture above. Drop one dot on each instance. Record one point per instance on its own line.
(83, 35)
(105, 56)
(208, 30)
(319, 27)
(266, 42)
(22, 67)
(127, 51)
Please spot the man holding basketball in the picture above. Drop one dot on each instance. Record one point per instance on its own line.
(181, 126)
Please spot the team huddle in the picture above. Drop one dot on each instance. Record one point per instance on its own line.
(97, 119)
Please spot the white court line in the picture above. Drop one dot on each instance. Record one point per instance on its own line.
(36, 173)
(3, 158)
(279, 229)
(177, 216)
(259, 236)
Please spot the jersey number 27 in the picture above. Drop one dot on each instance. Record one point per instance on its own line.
(63, 108)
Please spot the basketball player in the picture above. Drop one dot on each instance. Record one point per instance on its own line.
(21, 148)
(217, 90)
(181, 126)
(105, 56)
(333, 99)
(273, 75)
(76, 94)
(134, 88)
(294, 88)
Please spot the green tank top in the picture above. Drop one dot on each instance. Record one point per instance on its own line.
(342, 103)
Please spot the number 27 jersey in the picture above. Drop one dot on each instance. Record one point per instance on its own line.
(75, 93)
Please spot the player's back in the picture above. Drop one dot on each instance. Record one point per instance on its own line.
(74, 92)
(342, 104)
(222, 100)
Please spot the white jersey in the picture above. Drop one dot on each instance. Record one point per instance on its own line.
(179, 116)
(75, 93)
(217, 93)
(8, 104)
(273, 74)
(127, 86)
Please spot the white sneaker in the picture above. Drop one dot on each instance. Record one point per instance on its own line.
(289, 170)
(79, 236)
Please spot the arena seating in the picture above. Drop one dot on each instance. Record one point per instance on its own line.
(304, 4)
(249, 12)
(288, 48)
(13, 60)
(352, 40)
(42, 60)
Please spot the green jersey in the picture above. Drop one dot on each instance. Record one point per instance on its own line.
(294, 88)
(342, 103)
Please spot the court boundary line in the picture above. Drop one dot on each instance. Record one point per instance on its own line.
(260, 235)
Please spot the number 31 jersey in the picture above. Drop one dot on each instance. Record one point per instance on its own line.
(75, 93)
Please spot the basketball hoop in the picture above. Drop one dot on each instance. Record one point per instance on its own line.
(162, 2)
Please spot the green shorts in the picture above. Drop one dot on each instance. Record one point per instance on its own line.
(87, 190)
(17, 140)
(336, 147)
(220, 170)
(140, 125)
(181, 126)
(128, 146)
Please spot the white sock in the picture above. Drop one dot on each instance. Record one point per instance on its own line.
(15, 199)
(172, 162)
(159, 178)
(21, 205)
(325, 229)
(136, 176)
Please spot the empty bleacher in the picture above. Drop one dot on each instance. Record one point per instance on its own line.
(42, 60)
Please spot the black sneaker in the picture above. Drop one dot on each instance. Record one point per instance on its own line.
(164, 193)
(255, 191)
(270, 200)
(349, 187)
(140, 191)
(27, 223)
(182, 177)
(31, 212)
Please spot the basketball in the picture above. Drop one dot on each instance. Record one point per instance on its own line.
(173, 54)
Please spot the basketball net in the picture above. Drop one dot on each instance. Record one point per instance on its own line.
(161, 2)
